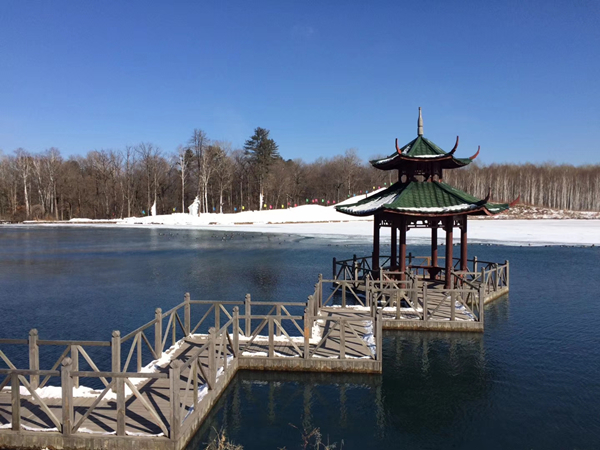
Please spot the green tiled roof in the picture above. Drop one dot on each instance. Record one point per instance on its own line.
(420, 148)
(417, 198)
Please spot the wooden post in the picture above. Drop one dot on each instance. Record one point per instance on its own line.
(319, 291)
(247, 313)
(34, 358)
(75, 363)
(66, 383)
(394, 245)
(175, 380)
(307, 332)
(121, 409)
(483, 283)
(402, 248)
(449, 227)
(236, 331)
(481, 302)
(375, 262)
(115, 348)
(398, 302)
(342, 339)
(15, 398)
(475, 264)
(158, 332)
(194, 370)
(463, 245)
(425, 312)
(507, 273)
(309, 309)
(187, 311)
(334, 277)
(317, 301)
(434, 247)
(354, 268)
(278, 313)
(496, 277)
(139, 353)
(343, 294)
(452, 306)
(212, 359)
(217, 316)
(271, 338)
(379, 335)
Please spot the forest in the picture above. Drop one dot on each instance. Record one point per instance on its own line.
(117, 183)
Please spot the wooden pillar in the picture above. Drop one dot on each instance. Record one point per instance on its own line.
(34, 358)
(187, 313)
(174, 391)
(66, 383)
(158, 348)
(434, 245)
(247, 313)
(394, 258)
(402, 247)
(463, 245)
(236, 331)
(449, 226)
(375, 262)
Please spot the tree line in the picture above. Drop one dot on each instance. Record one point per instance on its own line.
(107, 184)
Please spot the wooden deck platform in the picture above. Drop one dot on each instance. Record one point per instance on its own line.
(413, 300)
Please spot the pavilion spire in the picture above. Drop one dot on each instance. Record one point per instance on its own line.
(420, 124)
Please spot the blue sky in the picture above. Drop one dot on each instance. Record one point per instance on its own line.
(521, 79)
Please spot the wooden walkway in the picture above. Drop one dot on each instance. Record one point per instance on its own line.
(161, 406)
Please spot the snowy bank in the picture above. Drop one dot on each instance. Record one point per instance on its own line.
(542, 228)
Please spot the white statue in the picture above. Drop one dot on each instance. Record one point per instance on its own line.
(194, 207)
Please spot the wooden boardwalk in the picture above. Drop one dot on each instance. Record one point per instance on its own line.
(160, 405)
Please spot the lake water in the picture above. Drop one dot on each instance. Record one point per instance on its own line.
(530, 381)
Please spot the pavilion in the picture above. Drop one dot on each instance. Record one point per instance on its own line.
(420, 199)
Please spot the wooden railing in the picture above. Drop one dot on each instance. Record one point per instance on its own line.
(232, 335)
(359, 268)
(77, 350)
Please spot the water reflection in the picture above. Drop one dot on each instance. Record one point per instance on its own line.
(432, 382)
(282, 403)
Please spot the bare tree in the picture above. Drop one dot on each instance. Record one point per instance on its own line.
(23, 162)
(182, 161)
(223, 168)
(199, 145)
(149, 155)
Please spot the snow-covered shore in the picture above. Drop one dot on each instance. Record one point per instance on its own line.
(315, 220)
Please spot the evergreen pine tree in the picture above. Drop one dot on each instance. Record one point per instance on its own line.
(261, 151)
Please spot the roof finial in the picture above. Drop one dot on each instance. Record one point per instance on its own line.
(420, 124)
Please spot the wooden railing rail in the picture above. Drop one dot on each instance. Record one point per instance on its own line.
(356, 268)
(343, 288)
(73, 348)
(345, 327)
